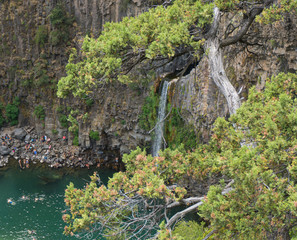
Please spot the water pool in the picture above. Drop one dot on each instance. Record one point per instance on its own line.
(37, 196)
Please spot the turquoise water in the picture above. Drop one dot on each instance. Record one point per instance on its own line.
(38, 197)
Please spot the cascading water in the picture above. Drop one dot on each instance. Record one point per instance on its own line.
(160, 124)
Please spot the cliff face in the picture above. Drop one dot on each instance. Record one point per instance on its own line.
(266, 51)
(34, 52)
(33, 57)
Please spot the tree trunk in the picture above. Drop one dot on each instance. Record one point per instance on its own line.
(218, 74)
(217, 71)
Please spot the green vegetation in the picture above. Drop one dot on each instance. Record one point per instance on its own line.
(73, 128)
(94, 135)
(12, 112)
(159, 31)
(250, 160)
(55, 131)
(41, 35)
(39, 112)
(178, 132)
(149, 112)
(2, 119)
(61, 22)
(63, 120)
(75, 141)
(255, 151)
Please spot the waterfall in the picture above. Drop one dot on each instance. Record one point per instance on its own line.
(158, 140)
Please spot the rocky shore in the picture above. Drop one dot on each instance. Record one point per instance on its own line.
(27, 147)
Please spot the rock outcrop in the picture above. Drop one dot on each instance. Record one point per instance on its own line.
(33, 57)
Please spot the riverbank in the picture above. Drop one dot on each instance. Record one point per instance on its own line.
(27, 148)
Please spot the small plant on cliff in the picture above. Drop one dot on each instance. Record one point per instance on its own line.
(75, 141)
(60, 21)
(177, 131)
(39, 112)
(2, 119)
(41, 35)
(12, 112)
(94, 135)
(149, 112)
(63, 120)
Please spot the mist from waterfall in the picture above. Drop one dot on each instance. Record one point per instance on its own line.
(158, 140)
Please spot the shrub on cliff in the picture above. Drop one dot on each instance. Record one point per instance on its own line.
(41, 35)
(12, 112)
(39, 112)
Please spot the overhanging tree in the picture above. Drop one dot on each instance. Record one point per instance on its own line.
(185, 27)
(254, 192)
(135, 201)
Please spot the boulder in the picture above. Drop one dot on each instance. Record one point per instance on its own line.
(4, 150)
(27, 138)
(19, 133)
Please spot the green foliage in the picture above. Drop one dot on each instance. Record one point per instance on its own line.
(41, 35)
(277, 11)
(256, 148)
(260, 157)
(39, 112)
(55, 131)
(60, 21)
(58, 17)
(145, 176)
(159, 31)
(63, 120)
(73, 128)
(190, 231)
(40, 73)
(177, 131)
(12, 113)
(94, 135)
(88, 100)
(2, 119)
(149, 112)
(75, 141)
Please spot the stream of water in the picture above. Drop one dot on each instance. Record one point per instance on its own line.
(158, 140)
(37, 196)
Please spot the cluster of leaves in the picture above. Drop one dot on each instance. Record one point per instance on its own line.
(149, 112)
(2, 119)
(73, 128)
(276, 12)
(94, 135)
(154, 33)
(60, 21)
(178, 132)
(41, 35)
(39, 112)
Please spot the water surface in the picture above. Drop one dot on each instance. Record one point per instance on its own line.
(38, 195)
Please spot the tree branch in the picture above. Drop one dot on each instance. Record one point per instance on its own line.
(245, 25)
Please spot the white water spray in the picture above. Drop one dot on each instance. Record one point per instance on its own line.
(160, 124)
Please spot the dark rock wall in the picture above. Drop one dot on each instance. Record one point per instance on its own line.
(31, 71)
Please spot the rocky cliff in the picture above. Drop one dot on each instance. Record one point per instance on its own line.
(34, 49)
(37, 37)
(265, 51)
